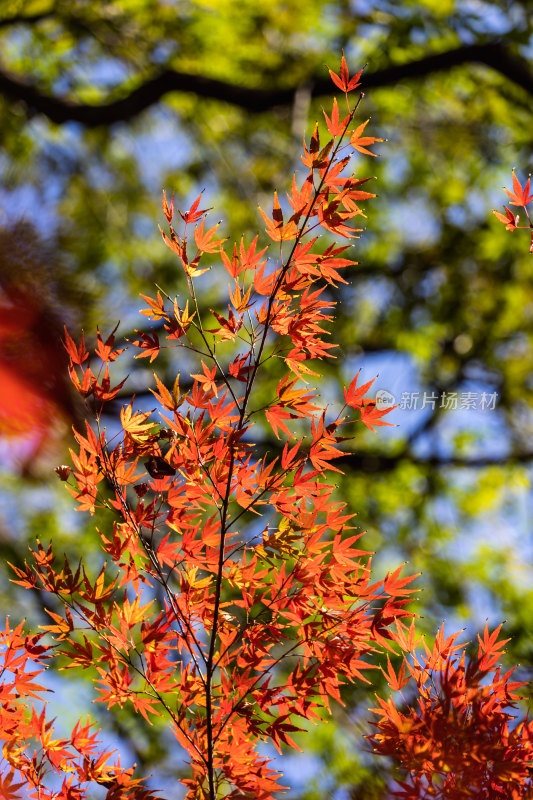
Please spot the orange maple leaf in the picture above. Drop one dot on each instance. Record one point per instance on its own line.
(520, 196)
(359, 142)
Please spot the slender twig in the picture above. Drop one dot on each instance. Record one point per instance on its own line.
(152, 556)
(210, 666)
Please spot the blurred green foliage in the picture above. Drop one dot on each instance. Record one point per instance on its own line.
(442, 300)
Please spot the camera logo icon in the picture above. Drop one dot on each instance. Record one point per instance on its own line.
(384, 399)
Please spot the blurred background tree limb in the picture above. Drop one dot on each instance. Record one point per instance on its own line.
(494, 55)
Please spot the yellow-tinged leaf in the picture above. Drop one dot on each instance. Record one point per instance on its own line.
(176, 390)
(164, 396)
(135, 424)
(190, 577)
(299, 368)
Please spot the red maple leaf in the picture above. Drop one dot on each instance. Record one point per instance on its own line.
(520, 196)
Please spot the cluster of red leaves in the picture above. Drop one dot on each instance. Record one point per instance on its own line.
(32, 754)
(235, 600)
(459, 740)
(297, 592)
(521, 197)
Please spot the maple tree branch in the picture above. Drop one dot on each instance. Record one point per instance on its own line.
(158, 574)
(211, 350)
(334, 624)
(243, 416)
(329, 618)
(267, 606)
(77, 609)
(494, 55)
(259, 678)
(285, 267)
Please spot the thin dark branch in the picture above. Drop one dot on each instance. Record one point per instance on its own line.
(494, 55)
(26, 19)
(377, 463)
